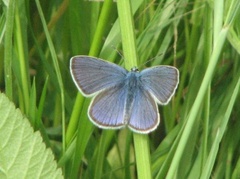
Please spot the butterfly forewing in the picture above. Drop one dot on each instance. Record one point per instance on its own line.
(107, 108)
(92, 75)
(161, 82)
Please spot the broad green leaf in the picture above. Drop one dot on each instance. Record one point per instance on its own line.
(22, 152)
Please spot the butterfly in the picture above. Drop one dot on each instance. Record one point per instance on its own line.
(121, 97)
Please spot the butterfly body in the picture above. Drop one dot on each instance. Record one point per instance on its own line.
(121, 97)
(132, 85)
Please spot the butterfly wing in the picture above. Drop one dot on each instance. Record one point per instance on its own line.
(144, 116)
(107, 108)
(161, 82)
(92, 75)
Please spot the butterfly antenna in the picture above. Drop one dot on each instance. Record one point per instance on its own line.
(119, 53)
(151, 59)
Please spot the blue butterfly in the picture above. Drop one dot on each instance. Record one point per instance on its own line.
(121, 97)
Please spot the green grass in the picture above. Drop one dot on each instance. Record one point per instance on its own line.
(198, 136)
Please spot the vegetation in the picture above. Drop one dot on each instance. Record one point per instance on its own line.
(198, 136)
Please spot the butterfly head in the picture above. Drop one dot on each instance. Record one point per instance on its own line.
(134, 69)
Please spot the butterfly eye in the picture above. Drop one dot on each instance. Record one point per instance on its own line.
(134, 69)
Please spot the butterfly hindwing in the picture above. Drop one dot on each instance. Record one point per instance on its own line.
(144, 116)
(107, 107)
